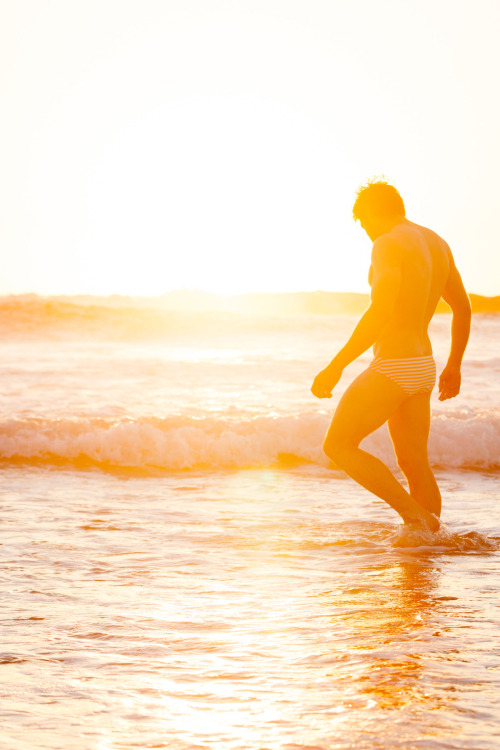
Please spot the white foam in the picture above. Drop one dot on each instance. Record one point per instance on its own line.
(411, 536)
(464, 439)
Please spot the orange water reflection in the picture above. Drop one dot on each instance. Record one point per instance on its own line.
(393, 634)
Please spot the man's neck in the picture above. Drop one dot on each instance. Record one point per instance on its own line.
(386, 226)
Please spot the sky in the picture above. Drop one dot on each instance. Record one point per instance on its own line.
(152, 145)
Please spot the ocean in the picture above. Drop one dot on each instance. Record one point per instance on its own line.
(183, 568)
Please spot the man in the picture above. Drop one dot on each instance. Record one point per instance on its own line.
(411, 269)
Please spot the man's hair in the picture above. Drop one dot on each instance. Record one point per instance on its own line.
(379, 198)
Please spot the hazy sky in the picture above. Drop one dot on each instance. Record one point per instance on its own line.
(148, 145)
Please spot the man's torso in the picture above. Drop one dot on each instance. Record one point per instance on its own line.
(423, 257)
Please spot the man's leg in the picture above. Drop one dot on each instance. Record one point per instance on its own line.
(409, 428)
(369, 402)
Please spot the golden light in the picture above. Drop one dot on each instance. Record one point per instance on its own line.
(226, 194)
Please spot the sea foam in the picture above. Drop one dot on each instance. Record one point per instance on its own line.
(469, 439)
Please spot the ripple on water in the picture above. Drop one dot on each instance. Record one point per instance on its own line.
(223, 619)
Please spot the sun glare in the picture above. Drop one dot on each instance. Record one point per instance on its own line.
(223, 194)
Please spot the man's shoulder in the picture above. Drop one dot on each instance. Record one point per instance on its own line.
(387, 249)
(430, 236)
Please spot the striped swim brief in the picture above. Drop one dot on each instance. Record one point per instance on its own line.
(412, 374)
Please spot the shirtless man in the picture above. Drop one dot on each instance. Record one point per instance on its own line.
(411, 269)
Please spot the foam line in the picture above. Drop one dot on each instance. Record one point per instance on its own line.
(468, 439)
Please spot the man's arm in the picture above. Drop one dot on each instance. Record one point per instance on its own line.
(386, 282)
(455, 295)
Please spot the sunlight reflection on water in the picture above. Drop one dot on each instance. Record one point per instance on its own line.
(241, 610)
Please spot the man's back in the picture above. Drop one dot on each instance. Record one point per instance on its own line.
(419, 262)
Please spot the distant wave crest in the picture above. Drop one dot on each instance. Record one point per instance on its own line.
(465, 439)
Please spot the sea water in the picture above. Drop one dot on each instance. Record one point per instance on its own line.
(183, 568)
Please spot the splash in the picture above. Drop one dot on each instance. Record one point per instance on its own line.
(415, 537)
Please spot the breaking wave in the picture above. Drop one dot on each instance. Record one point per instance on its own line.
(464, 439)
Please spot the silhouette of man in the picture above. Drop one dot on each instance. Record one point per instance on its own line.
(411, 269)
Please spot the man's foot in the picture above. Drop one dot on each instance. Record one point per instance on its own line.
(414, 535)
(419, 533)
(424, 520)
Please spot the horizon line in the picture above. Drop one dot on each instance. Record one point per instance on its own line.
(201, 292)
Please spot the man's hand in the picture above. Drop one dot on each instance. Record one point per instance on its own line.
(449, 382)
(325, 381)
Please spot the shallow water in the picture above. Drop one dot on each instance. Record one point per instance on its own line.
(251, 609)
(182, 568)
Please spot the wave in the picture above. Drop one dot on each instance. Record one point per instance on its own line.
(131, 319)
(179, 313)
(463, 439)
(34, 317)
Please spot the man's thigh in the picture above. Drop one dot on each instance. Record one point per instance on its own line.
(409, 428)
(365, 406)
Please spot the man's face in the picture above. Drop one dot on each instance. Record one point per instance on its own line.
(370, 228)
(373, 225)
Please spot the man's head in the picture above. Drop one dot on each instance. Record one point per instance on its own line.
(378, 207)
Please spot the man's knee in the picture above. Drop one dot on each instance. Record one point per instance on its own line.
(337, 448)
